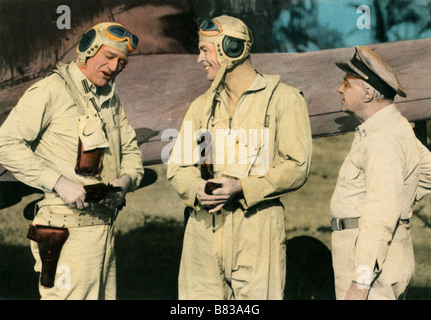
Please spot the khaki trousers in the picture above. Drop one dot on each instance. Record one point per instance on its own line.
(234, 254)
(394, 275)
(86, 268)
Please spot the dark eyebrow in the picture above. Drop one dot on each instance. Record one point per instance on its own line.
(112, 53)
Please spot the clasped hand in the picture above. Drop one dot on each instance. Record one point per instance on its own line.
(230, 188)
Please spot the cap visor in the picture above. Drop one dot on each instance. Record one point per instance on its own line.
(401, 93)
(346, 68)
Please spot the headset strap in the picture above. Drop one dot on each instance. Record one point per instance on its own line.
(63, 72)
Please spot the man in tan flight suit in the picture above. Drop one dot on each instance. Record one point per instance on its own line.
(76, 107)
(376, 188)
(260, 148)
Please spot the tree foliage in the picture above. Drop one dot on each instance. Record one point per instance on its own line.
(28, 28)
(401, 19)
(298, 29)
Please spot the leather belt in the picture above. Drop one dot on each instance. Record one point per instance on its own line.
(353, 223)
(346, 223)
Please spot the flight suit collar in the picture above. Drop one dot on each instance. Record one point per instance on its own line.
(377, 120)
(259, 83)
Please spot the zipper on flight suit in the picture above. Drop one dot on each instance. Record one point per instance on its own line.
(236, 107)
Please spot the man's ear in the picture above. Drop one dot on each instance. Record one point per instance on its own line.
(369, 93)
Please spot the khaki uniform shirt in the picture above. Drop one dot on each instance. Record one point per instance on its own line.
(268, 162)
(39, 139)
(424, 186)
(377, 182)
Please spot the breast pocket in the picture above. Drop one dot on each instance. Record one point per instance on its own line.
(91, 132)
(349, 171)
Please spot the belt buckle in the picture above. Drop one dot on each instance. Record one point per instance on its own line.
(404, 221)
(337, 224)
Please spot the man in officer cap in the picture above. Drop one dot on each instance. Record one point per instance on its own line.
(376, 188)
(259, 148)
(69, 135)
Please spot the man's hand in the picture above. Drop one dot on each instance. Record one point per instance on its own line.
(220, 196)
(115, 199)
(356, 292)
(71, 192)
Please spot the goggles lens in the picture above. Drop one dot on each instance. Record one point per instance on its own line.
(209, 25)
(121, 33)
(210, 28)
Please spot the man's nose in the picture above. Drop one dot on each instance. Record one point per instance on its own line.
(340, 89)
(113, 65)
(200, 58)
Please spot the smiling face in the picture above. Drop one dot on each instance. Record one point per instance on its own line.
(104, 66)
(208, 58)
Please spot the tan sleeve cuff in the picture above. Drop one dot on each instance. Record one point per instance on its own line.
(251, 191)
(135, 178)
(48, 179)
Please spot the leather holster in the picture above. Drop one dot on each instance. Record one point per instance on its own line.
(50, 241)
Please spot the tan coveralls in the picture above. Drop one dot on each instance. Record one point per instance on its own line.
(38, 144)
(239, 253)
(377, 183)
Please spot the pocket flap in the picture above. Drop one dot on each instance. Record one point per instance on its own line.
(92, 133)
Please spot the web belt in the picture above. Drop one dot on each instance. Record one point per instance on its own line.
(353, 223)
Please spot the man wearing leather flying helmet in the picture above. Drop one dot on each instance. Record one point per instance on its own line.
(69, 137)
(377, 186)
(234, 240)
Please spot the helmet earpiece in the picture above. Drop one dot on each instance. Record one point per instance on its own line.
(86, 40)
(233, 47)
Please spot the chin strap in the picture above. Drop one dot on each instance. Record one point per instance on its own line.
(217, 80)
